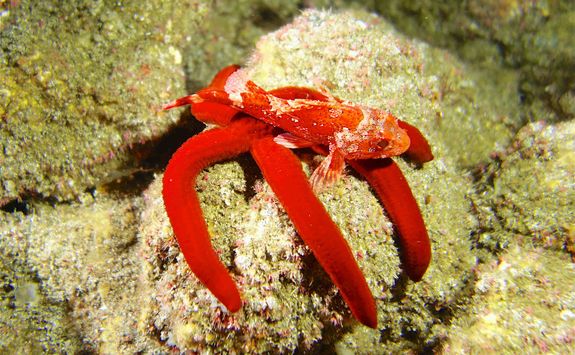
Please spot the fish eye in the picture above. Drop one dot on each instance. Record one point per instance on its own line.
(382, 144)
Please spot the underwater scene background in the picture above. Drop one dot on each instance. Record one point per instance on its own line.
(88, 260)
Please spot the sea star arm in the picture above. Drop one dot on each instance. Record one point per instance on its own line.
(282, 170)
(419, 150)
(393, 191)
(183, 206)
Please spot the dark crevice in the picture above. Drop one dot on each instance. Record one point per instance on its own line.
(17, 205)
(157, 153)
(153, 155)
(267, 19)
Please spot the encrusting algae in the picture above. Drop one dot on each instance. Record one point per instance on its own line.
(109, 265)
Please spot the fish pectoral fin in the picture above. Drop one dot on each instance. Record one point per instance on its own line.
(290, 141)
(329, 171)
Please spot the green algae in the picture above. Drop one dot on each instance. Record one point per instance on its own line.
(535, 192)
(524, 202)
(524, 302)
(120, 279)
(229, 32)
(83, 271)
(535, 37)
(83, 82)
(529, 191)
(30, 322)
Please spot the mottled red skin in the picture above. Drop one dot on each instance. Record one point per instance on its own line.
(320, 119)
(282, 170)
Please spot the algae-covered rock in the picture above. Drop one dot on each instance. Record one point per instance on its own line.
(228, 34)
(534, 36)
(82, 82)
(74, 268)
(524, 303)
(535, 189)
(529, 190)
(30, 322)
(524, 299)
(549, 55)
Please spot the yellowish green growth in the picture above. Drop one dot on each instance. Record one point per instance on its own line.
(82, 84)
(524, 303)
(529, 191)
(535, 38)
(104, 274)
(83, 294)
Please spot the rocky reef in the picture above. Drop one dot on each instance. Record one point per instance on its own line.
(88, 260)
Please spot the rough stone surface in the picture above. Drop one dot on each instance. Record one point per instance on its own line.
(103, 273)
(82, 268)
(533, 36)
(524, 302)
(82, 82)
(528, 190)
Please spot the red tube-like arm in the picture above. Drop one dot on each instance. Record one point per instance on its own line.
(282, 170)
(183, 207)
(419, 150)
(394, 192)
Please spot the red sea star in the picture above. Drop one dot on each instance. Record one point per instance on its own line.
(248, 115)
